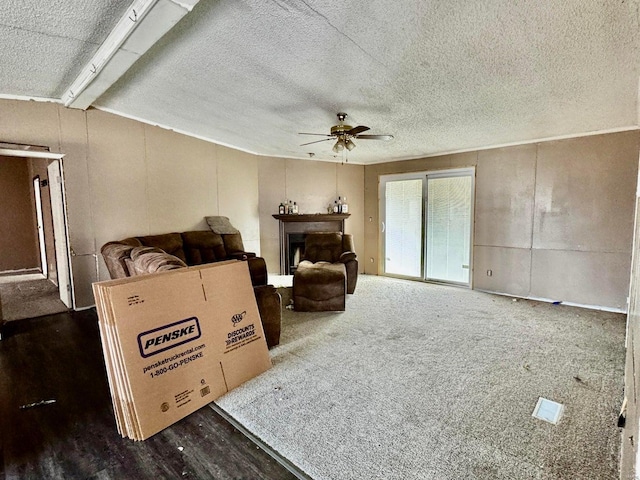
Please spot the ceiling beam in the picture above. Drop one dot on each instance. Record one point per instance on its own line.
(142, 25)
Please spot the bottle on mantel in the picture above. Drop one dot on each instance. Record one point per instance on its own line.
(281, 209)
(335, 207)
(339, 204)
(295, 208)
(345, 206)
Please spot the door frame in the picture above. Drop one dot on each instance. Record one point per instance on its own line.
(61, 232)
(38, 151)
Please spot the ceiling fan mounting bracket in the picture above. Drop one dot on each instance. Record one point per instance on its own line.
(341, 129)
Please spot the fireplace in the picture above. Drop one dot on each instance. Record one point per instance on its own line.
(295, 250)
(293, 230)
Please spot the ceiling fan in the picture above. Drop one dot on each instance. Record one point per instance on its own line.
(344, 135)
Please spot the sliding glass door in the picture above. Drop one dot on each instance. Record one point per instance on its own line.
(427, 223)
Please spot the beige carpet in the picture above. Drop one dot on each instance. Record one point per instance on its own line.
(420, 381)
(29, 296)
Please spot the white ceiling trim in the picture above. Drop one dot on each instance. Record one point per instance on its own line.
(27, 98)
(142, 25)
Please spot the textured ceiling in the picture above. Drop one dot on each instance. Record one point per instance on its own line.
(44, 44)
(439, 76)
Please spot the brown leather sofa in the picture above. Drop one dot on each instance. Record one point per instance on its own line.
(152, 253)
(328, 271)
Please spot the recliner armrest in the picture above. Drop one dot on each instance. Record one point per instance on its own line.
(257, 270)
(348, 256)
(241, 255)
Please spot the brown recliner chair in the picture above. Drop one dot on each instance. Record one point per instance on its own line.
(333, 247)
(327, 272)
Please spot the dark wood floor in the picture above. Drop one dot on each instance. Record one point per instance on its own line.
(59, 357)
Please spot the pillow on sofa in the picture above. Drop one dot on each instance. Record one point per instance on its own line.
(221, 225)
(115, 256)
(152, 259)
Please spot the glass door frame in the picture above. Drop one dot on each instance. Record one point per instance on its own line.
(424, 175)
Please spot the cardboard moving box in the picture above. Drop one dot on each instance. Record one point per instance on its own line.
(177, 340)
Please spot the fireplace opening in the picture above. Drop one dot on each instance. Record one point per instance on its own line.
(293, 231)
(295, 250)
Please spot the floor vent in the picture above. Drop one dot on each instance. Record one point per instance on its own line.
(548, 410)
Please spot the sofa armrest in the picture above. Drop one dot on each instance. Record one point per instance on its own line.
(115, 255)
(348, 256)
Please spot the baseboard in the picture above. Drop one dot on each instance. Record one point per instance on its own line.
(556, 302)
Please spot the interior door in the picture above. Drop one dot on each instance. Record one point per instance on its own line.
(60, 232)
(40, 224)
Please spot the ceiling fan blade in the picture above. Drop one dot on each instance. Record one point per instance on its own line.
(317, 141)
(357, 130)
(319, 134)
(374, 137)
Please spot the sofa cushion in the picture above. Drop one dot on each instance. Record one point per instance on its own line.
(319, 287)
(203, 247)
(171, 243)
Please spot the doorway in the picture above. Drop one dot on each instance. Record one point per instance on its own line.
(39, 283)
(426, 230)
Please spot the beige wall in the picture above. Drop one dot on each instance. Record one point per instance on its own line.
(124, 178)
(18, 240)
(313, 186)
(553, 220)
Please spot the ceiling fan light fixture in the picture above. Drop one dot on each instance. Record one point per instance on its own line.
(349, 144)
(339, 146)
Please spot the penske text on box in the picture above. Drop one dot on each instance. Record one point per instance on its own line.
(177, 340)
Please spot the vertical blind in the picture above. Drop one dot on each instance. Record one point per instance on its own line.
(448, 228)
(403, 227)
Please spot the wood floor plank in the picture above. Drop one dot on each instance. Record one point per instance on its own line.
(59, 358)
